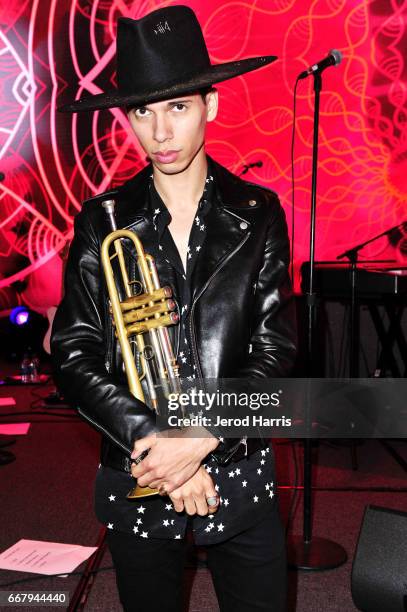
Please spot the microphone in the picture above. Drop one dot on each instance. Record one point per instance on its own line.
(333, 59)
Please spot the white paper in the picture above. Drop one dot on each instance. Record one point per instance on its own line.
(7, 401)
(14, 429)
(44, 557)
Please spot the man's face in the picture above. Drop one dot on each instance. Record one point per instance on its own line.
(172, 132)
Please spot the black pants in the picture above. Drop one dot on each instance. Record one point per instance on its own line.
(248, 571)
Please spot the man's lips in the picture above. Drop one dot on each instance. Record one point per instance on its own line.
(166, 157)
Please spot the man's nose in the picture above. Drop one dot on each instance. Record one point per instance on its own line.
(162, 128)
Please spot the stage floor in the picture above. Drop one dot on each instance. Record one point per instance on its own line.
(47, 494)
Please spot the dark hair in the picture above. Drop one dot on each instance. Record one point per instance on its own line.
(202, 92)
(205, 91)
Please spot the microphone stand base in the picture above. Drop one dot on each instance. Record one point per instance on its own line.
(318, 554)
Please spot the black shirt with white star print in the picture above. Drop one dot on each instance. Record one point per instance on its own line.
(246, 488)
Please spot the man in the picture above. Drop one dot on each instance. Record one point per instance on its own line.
(222, 245)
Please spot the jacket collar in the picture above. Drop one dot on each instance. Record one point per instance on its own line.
(231, 192)
(228, 227)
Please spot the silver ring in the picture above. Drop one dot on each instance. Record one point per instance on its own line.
(212, 501)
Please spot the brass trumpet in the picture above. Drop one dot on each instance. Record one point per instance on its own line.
(145, 317)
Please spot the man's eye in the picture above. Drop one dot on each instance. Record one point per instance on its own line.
(179, 106)
(141, 112)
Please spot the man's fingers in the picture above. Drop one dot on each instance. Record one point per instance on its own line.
(201, 505)
(190, 506)
(145, 479)
(142, 445)
(178, 503)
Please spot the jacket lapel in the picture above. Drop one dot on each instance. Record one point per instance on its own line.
(226, 225)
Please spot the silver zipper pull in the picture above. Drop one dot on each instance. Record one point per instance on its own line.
(244, 441)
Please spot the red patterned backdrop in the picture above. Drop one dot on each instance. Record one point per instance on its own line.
(54, 50)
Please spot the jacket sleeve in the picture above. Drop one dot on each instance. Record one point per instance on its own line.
(78, 347)
(273, 324)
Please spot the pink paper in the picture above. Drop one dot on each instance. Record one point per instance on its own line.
(7, 401)
(46, 558)
(14, 429)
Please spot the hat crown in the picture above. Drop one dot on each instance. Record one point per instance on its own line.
(159, 49)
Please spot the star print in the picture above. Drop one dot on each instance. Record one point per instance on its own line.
(156, 211)
(225, 502)
(112, 497)
(263, 452)
(259, 471)
(267, 487)
(262, 462)
(231, 474)
(184, 360)
(244, 483)
(202, 227)
(139, 521)
(271, 494)
(208, 469)
(177, 537)
(217, 471)
(140, 509)
(237, 471)
(168, 506)
(166, 523)
(135, 529)
(220, 439)
(198, 248)
(110, 525)
(144, 534)
(181, 354)
(188, 248)
(216, 487)
(189, 256)
(221, 527)
(268, 449)
(172, 521)
(197, 221)
(255, 499)
(160, 247)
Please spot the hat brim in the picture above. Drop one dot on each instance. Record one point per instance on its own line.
(214, 74)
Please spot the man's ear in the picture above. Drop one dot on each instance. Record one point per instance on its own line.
(212, 104)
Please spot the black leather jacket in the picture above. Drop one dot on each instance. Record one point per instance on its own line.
(242, 315)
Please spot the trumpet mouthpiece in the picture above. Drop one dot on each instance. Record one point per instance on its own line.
(109, 205)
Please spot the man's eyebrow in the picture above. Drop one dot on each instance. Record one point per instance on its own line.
(178, 101)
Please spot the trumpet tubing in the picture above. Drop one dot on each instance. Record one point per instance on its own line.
(145, 316)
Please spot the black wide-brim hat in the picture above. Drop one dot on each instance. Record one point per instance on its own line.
(160, 56)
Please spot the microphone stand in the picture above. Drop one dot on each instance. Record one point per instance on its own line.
(306, 552)
(354, 325)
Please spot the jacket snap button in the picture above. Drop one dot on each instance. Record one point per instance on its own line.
(243, 225)
(252, 202)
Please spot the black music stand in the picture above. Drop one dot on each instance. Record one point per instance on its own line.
(354, 327)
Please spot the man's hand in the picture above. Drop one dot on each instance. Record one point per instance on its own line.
(174, 457)
(193, 495)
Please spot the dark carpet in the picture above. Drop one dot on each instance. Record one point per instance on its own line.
(47, 494)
